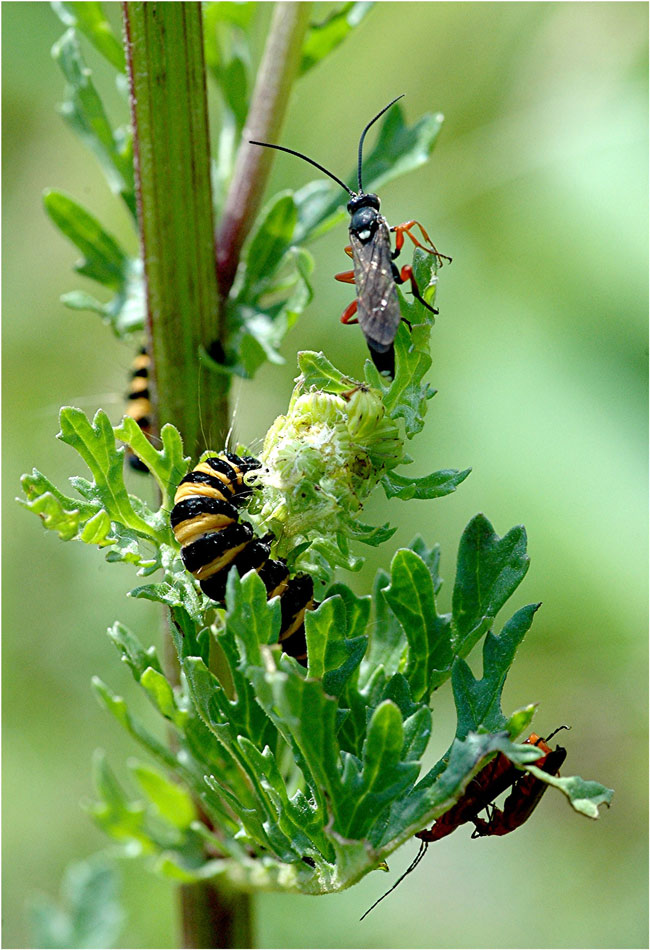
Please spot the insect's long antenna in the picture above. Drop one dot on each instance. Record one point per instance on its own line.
(281, 148)
(555, 732)
(412, 866)
(363, 135)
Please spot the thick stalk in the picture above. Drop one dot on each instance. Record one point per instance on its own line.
(172, 163)
(275, 78)
(215, 917)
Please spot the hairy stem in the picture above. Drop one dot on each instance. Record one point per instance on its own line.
(172, 165)
(268, 105)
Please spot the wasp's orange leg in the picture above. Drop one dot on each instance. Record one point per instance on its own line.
(346, 277)
(402, 229)
(348, 250)
(348, 314)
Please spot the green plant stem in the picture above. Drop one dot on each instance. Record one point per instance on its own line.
(164, 44)
(265, 116)
(172, 163)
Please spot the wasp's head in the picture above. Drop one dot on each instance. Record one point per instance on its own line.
(364, 214)
(362, 200)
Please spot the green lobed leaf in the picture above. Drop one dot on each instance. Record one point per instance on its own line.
(411, 597)
(489, 570)
(520, 720)
(180, 593)
(372, 535)
(226, 718)
(58, 512)
(268, 242)
(291, 829)
(250, 616)
(387, 638)
(135, 657)
(171, 800)
(89, 913)
(357, 609)
(117, 707)
(125, 313)
(115, 814)
(584, 796)
(435, 485)
(381, 776)
(323, 556)
(284, 824)
(84, 111)
(103, 258)
(89, 19)
(431, 557)
(167, 464)
(306, 717)
(97, 529)
(323, 38)
(139, 828)
(161, 694)
(400, 148)
(408, 395)
(398, 689)
(478, 702)
(272, 289)
(316, 372)
(127, 546)
(95, 442)
(417, 732)
(333, 656)
(247, 808)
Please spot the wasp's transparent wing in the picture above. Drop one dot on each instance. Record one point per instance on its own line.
(378, 308)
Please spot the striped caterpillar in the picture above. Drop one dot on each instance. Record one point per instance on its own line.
(205, 522)
(139, 403)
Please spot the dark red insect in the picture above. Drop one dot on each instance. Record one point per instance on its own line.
(524, 798)
(375, 274)
(493, 779)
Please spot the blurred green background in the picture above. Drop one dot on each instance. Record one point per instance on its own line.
(538, 190)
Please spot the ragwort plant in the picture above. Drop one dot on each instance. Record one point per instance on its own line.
(276, 776)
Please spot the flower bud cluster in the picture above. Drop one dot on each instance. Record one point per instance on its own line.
(321, 460)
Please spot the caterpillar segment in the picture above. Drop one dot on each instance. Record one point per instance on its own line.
(205, 522)
(139, 403)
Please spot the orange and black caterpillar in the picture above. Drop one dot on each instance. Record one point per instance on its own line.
(139, 403)
(205, 522)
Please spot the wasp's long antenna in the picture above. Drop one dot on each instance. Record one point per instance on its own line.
(363, 135)
(281, 148)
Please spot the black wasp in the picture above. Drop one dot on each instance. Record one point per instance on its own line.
(375, 272)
